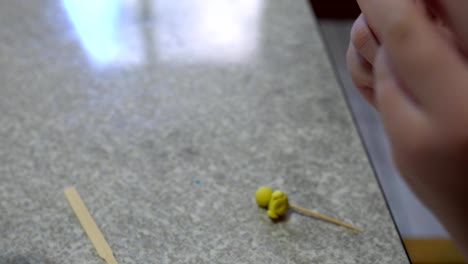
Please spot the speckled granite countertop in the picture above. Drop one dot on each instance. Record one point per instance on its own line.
(166, 116)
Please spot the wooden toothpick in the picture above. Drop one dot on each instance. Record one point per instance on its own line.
(277, 203)
(89, 226)
(323, 217)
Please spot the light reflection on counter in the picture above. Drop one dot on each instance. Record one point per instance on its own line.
(103, 33)
(208, 30)
(130, 32)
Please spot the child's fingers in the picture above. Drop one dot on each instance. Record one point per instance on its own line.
(401, 117)
(423, 60)
(361, 74)
(363, 39)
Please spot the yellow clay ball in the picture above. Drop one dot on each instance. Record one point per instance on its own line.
(278, 204)
(263, 196)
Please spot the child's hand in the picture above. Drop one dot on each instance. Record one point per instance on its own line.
(419, 84)
(364, 44)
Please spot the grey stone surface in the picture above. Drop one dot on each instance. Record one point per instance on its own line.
(167, 116)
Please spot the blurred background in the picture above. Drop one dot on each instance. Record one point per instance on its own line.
(424, 237)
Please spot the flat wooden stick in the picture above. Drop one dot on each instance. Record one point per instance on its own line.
(323, 217)
(89, 226)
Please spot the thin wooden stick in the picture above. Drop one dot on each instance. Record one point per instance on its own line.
(323, 217)
(89, 226)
